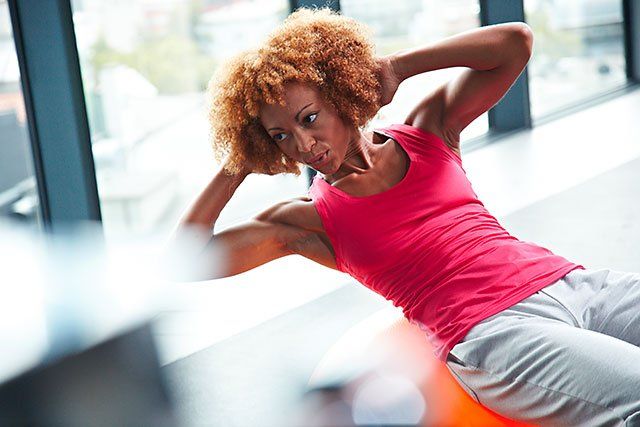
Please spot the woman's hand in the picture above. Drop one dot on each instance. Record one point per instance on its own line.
(389, 78)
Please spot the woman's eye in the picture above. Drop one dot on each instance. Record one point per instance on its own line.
(314, 115)
(275, 137)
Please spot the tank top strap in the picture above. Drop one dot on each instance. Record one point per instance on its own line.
(398, 136)
(417, 139)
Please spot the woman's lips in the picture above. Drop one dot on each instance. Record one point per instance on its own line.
(320, 159)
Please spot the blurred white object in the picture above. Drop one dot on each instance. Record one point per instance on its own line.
(68, 290)
(388, 400)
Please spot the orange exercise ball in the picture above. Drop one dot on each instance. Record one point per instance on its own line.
(383, 371)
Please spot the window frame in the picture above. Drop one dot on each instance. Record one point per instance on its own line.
(51, 81)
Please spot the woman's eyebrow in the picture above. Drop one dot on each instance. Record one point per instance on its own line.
(301, 110)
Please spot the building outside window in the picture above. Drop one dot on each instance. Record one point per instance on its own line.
(578, 51)
(18, 190)
(145, 66)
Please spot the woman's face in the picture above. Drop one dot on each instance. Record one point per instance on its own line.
(307, 128)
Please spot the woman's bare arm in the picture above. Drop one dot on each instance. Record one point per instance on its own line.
(263, 238)
(496, 56)
(204, 211)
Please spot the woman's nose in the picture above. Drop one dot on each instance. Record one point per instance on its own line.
(305, 141)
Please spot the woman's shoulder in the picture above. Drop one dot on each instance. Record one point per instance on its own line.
(298, 212)
(300, 227)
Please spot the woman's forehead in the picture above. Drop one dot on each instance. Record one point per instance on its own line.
(296, 96)
(300, 92)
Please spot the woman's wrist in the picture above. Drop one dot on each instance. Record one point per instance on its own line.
(397, 66)
(238, 173)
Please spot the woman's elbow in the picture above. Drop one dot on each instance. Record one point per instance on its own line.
(522, 36)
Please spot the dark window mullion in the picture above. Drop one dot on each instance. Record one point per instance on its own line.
(631, 25)
(54, 100)
(513, 111)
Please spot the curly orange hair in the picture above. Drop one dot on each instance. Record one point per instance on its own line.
(318, 46)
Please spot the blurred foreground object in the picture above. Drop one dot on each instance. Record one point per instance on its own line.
(382, 372)
(117, 382)
(75, 342)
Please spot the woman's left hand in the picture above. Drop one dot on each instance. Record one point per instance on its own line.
(389, 79)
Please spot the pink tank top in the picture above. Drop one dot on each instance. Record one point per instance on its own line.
(429, 245)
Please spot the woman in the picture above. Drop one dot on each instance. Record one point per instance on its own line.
(526, 332)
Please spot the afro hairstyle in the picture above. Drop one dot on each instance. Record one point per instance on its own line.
(315, 46)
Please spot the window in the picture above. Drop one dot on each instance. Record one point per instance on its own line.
(578, 51)
(145, 66)
(403, 24)
(18, 191)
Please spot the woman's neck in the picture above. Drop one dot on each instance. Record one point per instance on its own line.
(360, 157)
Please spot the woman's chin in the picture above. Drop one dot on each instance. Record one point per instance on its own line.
(326, 169)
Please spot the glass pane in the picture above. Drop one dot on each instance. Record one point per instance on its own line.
(18, 192)
(403, 24)
(578, 51)
(145, 66)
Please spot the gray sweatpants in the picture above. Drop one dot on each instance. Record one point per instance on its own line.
(567, 355)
